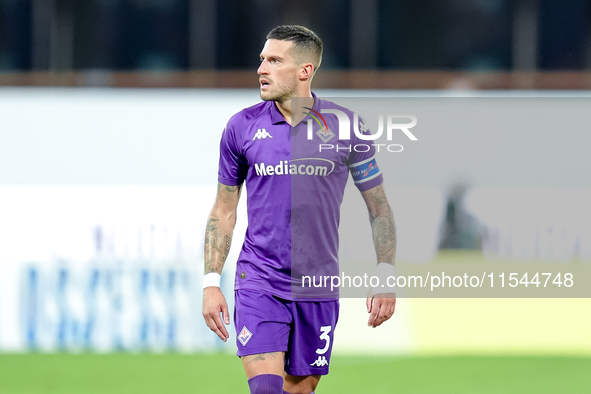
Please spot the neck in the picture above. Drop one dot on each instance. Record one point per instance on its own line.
(285, 106)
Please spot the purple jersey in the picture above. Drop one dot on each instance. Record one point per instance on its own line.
(294, 196)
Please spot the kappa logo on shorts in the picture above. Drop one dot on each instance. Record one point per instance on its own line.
(244, 336)
(321, 362)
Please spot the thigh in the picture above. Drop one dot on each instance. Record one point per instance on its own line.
(262, 323)
(310, 344)
(263, 363)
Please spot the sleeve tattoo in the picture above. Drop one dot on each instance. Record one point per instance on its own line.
(383, 226)
(218, 232)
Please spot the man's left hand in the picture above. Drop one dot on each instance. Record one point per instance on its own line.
(380, 308)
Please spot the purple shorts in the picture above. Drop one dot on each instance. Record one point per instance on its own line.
(303, 330)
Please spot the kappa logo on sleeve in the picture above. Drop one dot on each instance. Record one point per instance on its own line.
(261, 134)
(244, 336)
(363, 126)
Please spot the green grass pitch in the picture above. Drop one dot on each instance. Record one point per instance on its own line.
(179, 374)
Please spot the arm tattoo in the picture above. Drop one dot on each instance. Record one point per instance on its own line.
(227, 188)
(228, 240)
(218, 235)
(383, 226)
(213, 242)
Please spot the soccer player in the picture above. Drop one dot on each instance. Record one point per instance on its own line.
(285, 335)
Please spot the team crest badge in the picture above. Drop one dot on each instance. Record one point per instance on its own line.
(244, 336)
(325, 134)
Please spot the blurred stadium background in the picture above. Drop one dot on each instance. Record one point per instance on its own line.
(110, 117)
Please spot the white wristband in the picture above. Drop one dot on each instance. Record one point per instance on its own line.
(211, 279)
(384, 272)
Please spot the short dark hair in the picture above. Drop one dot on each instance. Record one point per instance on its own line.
(306, 42)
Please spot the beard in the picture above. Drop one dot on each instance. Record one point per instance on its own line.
(282, 93)
(280, 97)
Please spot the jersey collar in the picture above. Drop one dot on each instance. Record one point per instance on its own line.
(276, 116)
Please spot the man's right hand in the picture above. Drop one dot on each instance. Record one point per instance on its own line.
(214, 303)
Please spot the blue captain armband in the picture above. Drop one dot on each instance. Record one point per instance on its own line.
(364, 170)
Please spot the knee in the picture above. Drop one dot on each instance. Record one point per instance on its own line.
(301, 384)
(266, 384)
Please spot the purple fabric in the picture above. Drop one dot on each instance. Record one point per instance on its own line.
(293, 218)
(266, 384)
(304, 330)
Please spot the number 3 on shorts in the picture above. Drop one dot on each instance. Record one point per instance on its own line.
(324, 336)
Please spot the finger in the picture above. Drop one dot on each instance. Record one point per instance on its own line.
(386, 311)
(216, 326)
(225, 313)
(220, 332)
(375, 308)
(377, 314)
(213, 327)
(220, 326)
(382, 317)
(368, 304)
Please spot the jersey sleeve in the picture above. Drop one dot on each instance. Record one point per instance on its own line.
(362, 162)
(233, 165)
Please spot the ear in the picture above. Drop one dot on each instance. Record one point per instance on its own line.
(306, 71)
